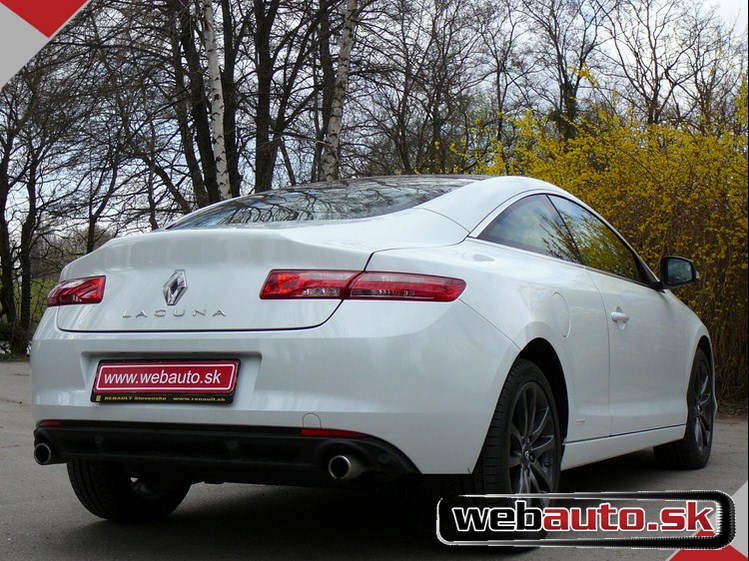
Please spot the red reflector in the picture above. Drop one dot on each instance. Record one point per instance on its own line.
(331, 433)
(403, 286)
(89, 290)
(306, 284)
(343, 285)
(49, 424)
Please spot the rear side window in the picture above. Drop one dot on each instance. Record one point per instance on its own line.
(339, 200)
(533, 224)
(600, 247)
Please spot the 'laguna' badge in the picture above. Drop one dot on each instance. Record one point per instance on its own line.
(175, 287)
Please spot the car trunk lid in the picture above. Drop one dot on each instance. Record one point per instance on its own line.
(210, 279)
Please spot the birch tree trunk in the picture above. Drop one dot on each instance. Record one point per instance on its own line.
(331, 151)
(217, 100)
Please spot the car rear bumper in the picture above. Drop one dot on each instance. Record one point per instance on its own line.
(218, 454)
(422, 377)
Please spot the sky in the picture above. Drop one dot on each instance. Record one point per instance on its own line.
(732, 10)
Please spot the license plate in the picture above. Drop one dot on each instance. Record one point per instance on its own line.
(208, 382)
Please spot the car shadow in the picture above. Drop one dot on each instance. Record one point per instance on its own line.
(248, 521)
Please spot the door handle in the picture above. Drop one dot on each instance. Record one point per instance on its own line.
(619, 316)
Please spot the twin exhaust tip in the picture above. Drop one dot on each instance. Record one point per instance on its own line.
(344, 468)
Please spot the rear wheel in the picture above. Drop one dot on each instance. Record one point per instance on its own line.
(693, 451)
(522, 451)
(108, 492)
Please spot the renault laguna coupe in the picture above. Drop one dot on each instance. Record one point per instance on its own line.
(359, 332)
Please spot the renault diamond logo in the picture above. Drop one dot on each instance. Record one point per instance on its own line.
(175, 287)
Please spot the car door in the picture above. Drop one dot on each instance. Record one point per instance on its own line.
(644, 327)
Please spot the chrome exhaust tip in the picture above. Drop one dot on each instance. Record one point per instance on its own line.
(43, 454)
(344, 468)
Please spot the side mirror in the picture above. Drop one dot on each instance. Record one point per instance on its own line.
(677, 271)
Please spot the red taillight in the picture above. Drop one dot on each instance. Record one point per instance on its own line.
(404, 286)
(89, 290)
(306, 284)
(350, 285)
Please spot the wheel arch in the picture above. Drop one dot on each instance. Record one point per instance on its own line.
(707, 348)
(542, 353)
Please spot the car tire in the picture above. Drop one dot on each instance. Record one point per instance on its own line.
(108, 492)
(693, 451)
(522, 451)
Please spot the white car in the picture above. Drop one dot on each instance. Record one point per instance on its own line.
(365, 331)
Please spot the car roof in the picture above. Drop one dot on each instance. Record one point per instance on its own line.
(470, 204)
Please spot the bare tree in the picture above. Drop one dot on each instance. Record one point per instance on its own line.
(569, 34)
(651, 44)
(717, 63)
(284, 41)
(38, 110)
(217, 100)
(502, 30)
(421, 69)
(331, 154)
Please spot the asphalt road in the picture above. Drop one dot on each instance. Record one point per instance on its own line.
(40, 518)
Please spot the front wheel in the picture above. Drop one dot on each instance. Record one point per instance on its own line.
(107, 491)
(693, 451)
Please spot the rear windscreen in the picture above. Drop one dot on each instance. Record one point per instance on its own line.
(335, 200)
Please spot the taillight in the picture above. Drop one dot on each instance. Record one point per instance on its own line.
(89, 290)
(350, 285)
(404, 286)
(306, 284)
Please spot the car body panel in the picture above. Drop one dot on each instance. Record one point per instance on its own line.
(648, 355)
(589, 451)
(559, 305)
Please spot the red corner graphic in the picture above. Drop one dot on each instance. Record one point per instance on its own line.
(728, 553)
(45, 15)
